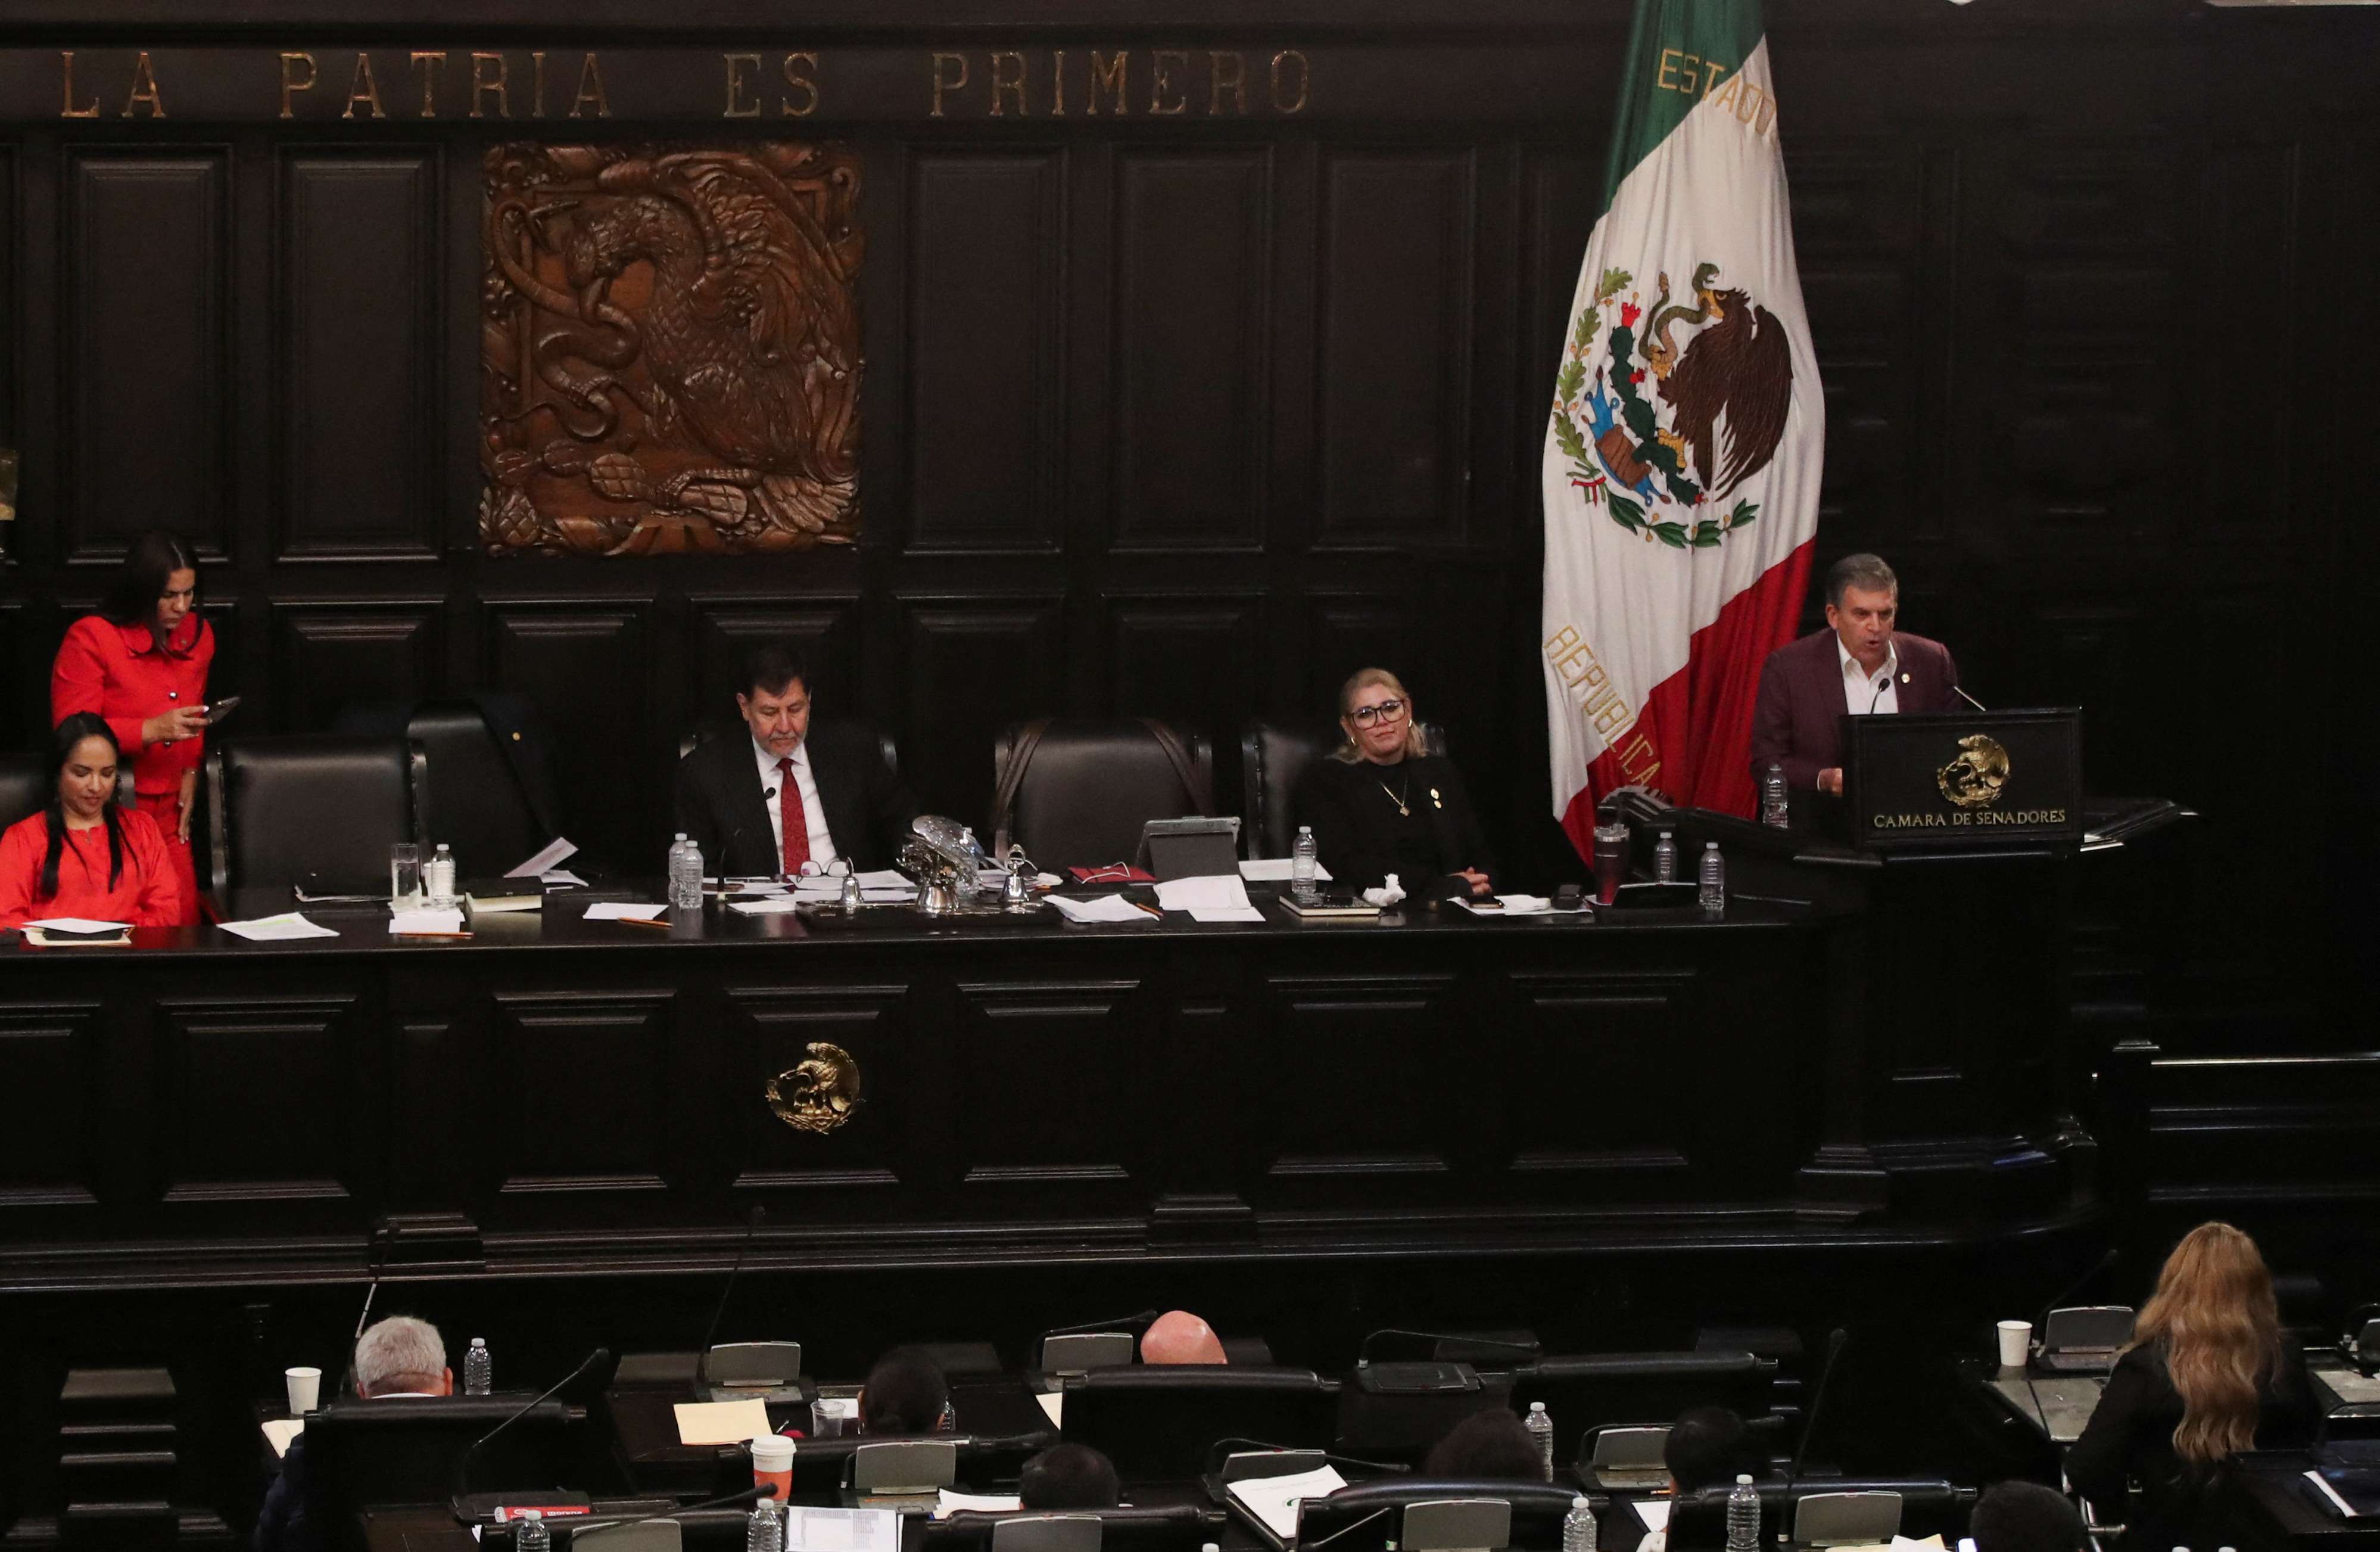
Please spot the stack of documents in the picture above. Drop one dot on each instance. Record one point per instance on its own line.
(1101, 908)
(1216, 898)
(1274, 1499)
(289, 924)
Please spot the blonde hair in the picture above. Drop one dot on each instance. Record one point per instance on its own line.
(2214, 1313)
(1416, 743)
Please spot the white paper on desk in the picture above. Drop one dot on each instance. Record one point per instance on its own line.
(1101, 908)
(1275, 870)
(888, 894)
(1273, 1499)
(613, 911)
(948, 1503)
(80, 924)
(1225, 913)
(279, 1431)
(561, 878)
(1221, 891)
(403, 921)
(776, 905)
(1654, 1512)
(2345, 1512)
(556, 852)
(842, 1530)
(1054, 1404)
(722, 1421)
(277, 929)
(1931, 1544)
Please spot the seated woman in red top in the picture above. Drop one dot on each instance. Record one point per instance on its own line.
(141, 663)
(83, 855)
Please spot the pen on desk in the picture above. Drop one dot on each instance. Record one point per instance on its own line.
(641, 920)
(431, 934)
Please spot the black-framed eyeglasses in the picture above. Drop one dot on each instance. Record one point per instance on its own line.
(1388, 709)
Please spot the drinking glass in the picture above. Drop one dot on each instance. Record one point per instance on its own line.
(1611, 861)
(404, 872)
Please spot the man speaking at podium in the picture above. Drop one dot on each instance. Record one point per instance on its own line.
(1859, 664)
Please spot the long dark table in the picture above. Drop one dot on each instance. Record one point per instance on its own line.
(562, 1094)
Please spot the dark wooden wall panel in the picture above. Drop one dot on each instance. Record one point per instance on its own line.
(216, 1055)
(147, 348)
(1192, 262)
(50, 1154)
(987, 265)
(1192, 660)
(1395, 347)
(973, 666)
(357, 290)
(329, 656)
(600, 1058)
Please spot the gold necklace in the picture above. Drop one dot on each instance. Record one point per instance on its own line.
(1402, 811)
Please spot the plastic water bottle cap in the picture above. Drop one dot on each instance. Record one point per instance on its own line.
(1746, 1481)
(532, 1514)
(478, 1341)
(1579, 1502)
(1535, 1407)
(1710, 846)
(681, 834)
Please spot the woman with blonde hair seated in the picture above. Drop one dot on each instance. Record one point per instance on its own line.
(1382, 804)
(2206, 1376)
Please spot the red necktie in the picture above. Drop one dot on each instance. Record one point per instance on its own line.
(796, 818)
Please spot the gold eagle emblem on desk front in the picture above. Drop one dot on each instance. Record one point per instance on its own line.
(1977, 776)
(817, 1094)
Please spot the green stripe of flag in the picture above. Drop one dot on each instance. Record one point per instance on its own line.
(1679, 53)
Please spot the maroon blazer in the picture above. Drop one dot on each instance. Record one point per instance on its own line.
(1802, 695)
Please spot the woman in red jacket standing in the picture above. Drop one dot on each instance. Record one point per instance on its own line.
(142, 664)
(81, 855)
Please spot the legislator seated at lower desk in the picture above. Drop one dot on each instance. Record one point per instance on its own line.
(1159, 1422)
(1373, 1516)
(410, 1450)
(1585, 1390)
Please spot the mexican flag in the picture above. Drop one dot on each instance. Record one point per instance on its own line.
(1682, 462)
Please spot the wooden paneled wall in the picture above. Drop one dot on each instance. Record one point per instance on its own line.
(1188, 416)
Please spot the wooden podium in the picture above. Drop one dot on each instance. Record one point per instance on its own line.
(1965, 781)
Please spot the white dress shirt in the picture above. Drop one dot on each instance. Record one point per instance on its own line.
(1864, 692)
(822, 843)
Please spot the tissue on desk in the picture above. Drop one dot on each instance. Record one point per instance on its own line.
(1387, 893)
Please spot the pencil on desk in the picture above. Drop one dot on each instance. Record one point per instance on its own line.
(431, 934)
(641, 920)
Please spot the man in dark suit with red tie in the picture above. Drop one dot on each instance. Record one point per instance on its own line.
(790, 793)
(1860, 665)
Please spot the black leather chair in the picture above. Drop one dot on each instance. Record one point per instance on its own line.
(1368, 1516)
(405, 1450)
(1158, 1422)
(1928, 1506)
(1588, 1390)
(1168, 1528)
(489, 793)
(1273, 757)
(312, 809)
(1074, 792)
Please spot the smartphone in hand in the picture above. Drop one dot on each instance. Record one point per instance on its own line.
(217, 710)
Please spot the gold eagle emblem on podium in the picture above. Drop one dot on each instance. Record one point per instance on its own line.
(1977, 778)
(818, 1094)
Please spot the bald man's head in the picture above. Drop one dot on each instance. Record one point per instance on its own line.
(1179, 1336)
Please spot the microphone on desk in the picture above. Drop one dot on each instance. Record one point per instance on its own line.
(752, 1227)
(1877, 699)
(580, 1524)
(1962, 695)
(1364, 1350)
(1141, 1321)
(598, 1358)
(2106, 1260)
(1837, 1340)
(382, 1232)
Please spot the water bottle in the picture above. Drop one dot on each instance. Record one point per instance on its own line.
(1712, 896)
(1302, 865)
(1541, 1434)
(439, 882)
(1744, 1517)
(685, 875)
(764, 1529)
(530, 1534)
(479, 1369)
(1772, 797)
(1578, 1526)
(1665, 860)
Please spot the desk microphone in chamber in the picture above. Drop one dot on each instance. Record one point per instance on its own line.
(1962, 695)
(1837, 1340)
(752, 1227)
(599, 1359)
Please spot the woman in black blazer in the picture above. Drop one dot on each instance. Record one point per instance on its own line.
(2206, 1376)
(1383, 804)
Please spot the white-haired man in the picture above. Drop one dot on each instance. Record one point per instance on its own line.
(399, 1357)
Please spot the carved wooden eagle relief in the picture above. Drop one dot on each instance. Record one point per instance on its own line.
(670, 352)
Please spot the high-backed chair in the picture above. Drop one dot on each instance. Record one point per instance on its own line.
(1928, 1506)
(312, 809)
(1377, 1507)
(489, 791)
(405, 1451)
(1158, 1422)
(1074, 792)
(1273, 757)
